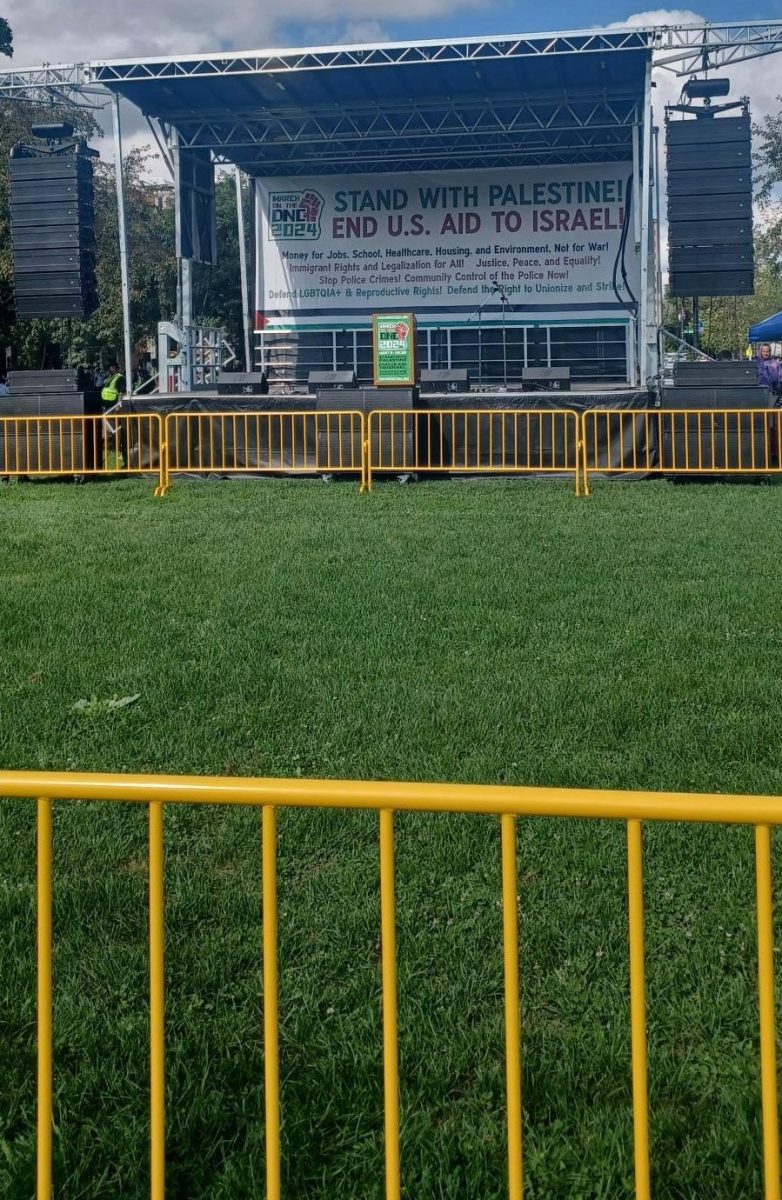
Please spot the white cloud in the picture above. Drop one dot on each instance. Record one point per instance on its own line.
(81, 30)
(362, 32)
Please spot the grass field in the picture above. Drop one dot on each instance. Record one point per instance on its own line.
(495, 632)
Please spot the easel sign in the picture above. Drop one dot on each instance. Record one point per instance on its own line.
(393, 343)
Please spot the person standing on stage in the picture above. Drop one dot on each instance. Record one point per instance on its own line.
(769, 372)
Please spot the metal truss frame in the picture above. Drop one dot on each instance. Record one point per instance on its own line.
(278, 127)
(681, 48)
(453, 159)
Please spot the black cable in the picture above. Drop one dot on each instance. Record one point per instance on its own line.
(632, 306)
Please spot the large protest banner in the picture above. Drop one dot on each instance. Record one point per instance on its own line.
(556, 237)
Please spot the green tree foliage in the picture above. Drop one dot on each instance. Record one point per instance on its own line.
(6, 38)
(152, 264)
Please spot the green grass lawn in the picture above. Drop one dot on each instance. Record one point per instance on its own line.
(491, 632)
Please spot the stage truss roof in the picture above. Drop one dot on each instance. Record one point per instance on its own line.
(561, 98)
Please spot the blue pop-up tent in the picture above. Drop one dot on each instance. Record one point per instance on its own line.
(769, 330)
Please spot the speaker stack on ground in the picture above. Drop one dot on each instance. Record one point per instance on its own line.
(42, 445)
(53, 226)
(728, 439)
(709, 177)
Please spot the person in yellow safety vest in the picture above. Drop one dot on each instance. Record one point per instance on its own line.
(113, 387)
(114, 431)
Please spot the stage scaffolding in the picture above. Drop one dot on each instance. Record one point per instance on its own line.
(536, 100)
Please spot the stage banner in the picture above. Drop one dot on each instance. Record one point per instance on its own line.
(546, 237)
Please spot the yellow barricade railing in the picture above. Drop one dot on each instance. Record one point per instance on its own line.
(505, 803)
(228, 443)
(474, 441)
(396, 441)
(117, 444)
(737, 441)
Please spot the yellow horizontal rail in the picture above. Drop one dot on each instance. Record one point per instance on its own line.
(404, 797)
(386, 798)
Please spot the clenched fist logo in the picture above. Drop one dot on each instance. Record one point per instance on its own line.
(311, 204)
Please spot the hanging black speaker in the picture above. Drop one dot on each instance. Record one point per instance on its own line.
(709, 178)
(52, 209)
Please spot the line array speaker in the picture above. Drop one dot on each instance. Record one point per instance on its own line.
(52, 208)
(709, 177)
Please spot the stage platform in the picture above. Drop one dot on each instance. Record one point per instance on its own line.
(514, 399)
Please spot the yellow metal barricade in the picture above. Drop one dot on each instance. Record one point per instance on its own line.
(474, 441)
(505, 803)
(252, 443)
(658, 441)
(117, 444)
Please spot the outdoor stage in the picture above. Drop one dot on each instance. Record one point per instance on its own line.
(504, 191)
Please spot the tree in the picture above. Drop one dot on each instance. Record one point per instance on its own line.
(6, 39)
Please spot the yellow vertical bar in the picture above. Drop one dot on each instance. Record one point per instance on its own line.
(638, 1010)
(739, 455)
(157, 1007)
(369, 451)
(44, 931)
(768, 1040)
(271, 1044)
(510, 932)
(390, 1040)
(161, 424)
(566, 422)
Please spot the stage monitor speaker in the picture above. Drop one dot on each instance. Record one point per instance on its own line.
(456, 379)
(335, 380)
(243, 383)
(709, 179)
(545, 379)
(52, 210)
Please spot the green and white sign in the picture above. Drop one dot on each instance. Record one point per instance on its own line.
(393, 338)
